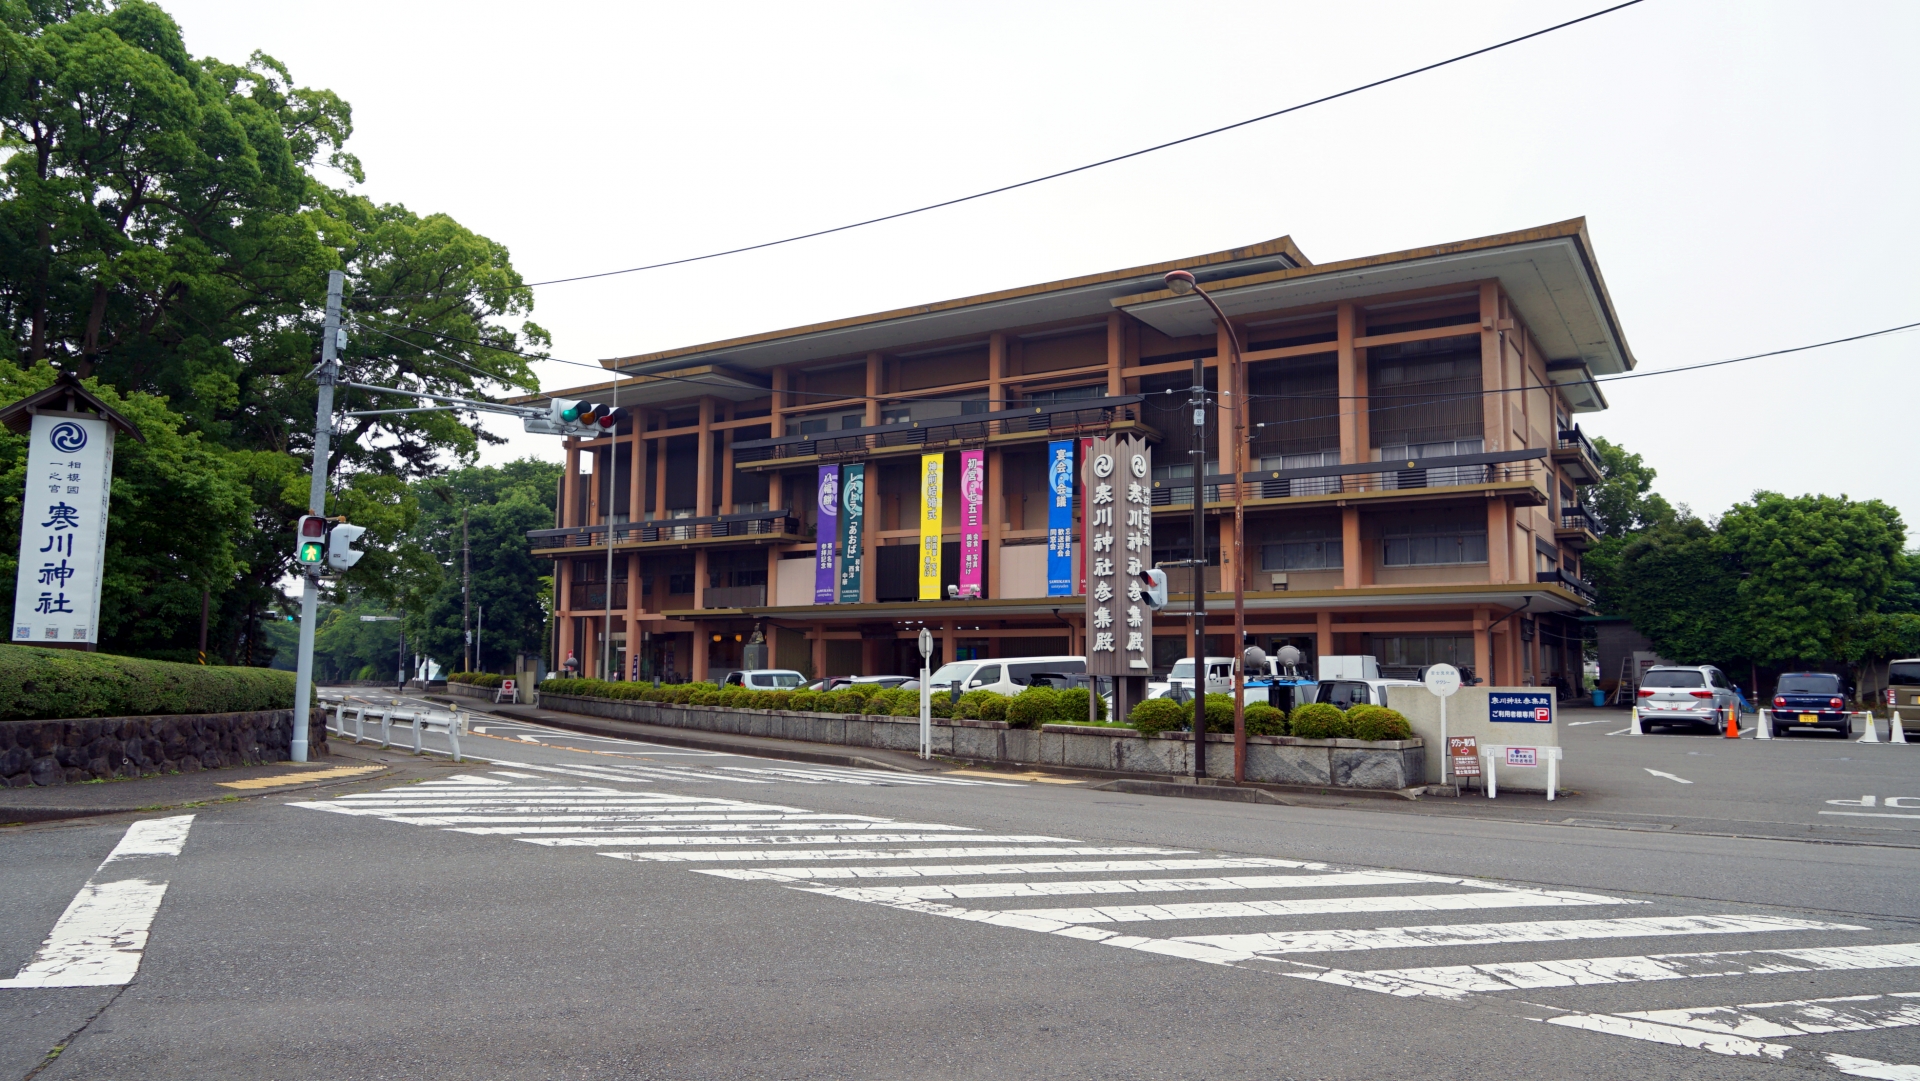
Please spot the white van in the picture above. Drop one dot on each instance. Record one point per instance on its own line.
(1366, 692)
(1219, 675)
(1001, 675)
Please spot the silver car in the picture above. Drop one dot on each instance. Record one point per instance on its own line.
(1699, 696)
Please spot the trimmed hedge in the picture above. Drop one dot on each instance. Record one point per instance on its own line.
(1320, 720)
(53, 684)
(1378, 723)
(1158, 715)
(489, 680)
(1263, 719)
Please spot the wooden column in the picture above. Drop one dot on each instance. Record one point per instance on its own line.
(870, 534)
(1226, 422)
(949, 642)
(776, 482)
(1493, 408)
(660, 475)
(699, 578)
(1323, 636)
(726, 466)
(873, 388)
(1354, 557)
(702, 640)
(703, 498)
(636, 494)
(994, 520)
(1116, 353)
(1499, 538)
(1482, 645)
(819, 650)
(1353, 384)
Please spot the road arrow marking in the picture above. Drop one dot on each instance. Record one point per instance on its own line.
(1668, 776)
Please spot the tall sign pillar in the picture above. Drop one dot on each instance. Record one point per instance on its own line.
(1119, 553)
(63, 513)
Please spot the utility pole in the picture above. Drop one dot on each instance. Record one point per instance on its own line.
(466, 592)
(316, 504)
(1198, 456)
(479, 634)
(606, 518)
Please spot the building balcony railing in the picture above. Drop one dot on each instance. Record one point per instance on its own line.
(1577, 456)
(1574, 585)
(1575, 529)
(1082, 415)
(1337, 480)
(768, 524)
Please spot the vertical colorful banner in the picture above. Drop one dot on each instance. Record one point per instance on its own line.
(930, 479)
(973, 505)
(853, 515)
(1060, 518)
(825, 534)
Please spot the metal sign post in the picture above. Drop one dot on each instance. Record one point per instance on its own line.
(1443, 680)
(926, 694)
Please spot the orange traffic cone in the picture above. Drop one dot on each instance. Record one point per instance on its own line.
(1733, 722)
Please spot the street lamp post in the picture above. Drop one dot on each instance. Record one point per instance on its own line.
(1182, 283)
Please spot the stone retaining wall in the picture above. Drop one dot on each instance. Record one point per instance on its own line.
(100, 748)
(1287, 760)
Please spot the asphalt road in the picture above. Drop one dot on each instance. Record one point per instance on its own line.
(582, 907)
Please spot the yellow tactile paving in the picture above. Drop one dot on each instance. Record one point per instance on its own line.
(1042, 778)
(302, 777)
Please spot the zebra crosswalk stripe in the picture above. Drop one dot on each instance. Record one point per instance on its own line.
(939, 870)
(1494, 934)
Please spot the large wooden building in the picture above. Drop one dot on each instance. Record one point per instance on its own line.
(1410, 481)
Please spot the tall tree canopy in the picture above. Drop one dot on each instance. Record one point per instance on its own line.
(166, 229)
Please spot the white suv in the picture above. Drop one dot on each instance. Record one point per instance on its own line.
(1008, 676)
(1696, 695)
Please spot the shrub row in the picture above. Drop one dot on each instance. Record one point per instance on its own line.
(49, 684)
(1030, 708)
(489, 680)
(1312, 720)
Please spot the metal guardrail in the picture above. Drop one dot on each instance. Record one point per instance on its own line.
(966, 428)
(1576, 519)
(768, 523)
(421, 720)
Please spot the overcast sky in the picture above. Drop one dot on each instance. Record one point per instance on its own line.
(1747, 172)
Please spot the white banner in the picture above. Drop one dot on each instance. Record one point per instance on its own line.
(63, 530)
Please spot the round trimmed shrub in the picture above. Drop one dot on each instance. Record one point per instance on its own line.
(969, 704)
(862, 691)
(1157, 715)
(1032, 707)
(706, 695)
(993, 707)
(1319, 720)
(1264, 720)
(879, 703)
(941, 704)
(1071, 706)
(1219, 713)
(803, 701)
(1379, 723)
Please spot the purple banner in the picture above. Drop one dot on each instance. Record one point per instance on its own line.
(826, 532)
(973, 498)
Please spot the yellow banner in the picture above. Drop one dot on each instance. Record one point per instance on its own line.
(930, 512)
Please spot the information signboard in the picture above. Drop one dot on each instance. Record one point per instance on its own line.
(1465, 753)
(1520, 707)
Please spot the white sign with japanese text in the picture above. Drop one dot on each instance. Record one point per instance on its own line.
(63, 530)
(1119, 552)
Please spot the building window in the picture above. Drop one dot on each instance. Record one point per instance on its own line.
(680, 583)
(1442, 538)
(1045, 398)
(1401, 656)
(1316, 554)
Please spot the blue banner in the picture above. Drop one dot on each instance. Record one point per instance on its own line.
(1060, 518)
(1520, 707)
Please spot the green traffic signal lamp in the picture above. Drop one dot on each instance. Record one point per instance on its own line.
(311, 552)
(312, 537)
(571, 413)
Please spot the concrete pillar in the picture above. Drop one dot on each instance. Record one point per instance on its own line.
(1499, 539)
(702, 641)
(993, 521)
(726, 467)
(874, 374)
(699, 578)
(1354, 557)
(819, 637)
(1493, 409)
(1354, 446)
(1482, 645)
(1323, 634)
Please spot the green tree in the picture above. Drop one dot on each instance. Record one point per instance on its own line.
(1623, 502)
(1674, 583)
(1811, 569)
(502, 503)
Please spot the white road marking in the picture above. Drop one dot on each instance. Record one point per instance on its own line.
(98, 941)
(895, 854)
(784, 839)
(1802, 1017)
(1867, 814)
(1672, 1036)
(1587, 971)
(1621, 732)
(806, 874)
(1210, 910)
(969, 891)
(1576, 724)
(1492, 934)
(1668, 776)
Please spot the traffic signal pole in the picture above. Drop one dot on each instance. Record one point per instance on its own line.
(316, 504)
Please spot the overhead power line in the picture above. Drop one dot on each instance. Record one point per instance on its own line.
(1115, 159)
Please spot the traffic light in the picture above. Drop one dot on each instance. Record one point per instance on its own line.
(340, 553)
(311, 540)
(566, 416)
(1155, 593)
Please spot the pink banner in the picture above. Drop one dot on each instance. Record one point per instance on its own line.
(973, 497)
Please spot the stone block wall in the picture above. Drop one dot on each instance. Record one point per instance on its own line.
(102, 748)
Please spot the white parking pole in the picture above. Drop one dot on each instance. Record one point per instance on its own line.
(1896, 730)
(1553, 771)
(386, 728)
(1635, 730)
(1490, 756)
(1873, 730)
(359, 724)
(340, 717)
(453, 734)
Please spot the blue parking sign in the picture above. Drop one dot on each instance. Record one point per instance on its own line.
(1520, 707)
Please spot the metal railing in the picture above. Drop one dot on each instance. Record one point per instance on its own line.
(1076, 415)
(1576, 519)
(1575, 439)
(593, 596)
(1325, 480)
(767, 523)
(734, 597)
(1578, 587)
(421, 720)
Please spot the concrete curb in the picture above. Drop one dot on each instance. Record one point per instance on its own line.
(1230, 793)
(16, 814)
(675, 737)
